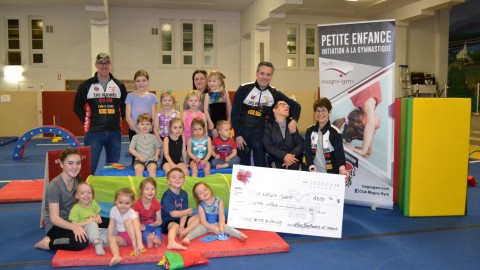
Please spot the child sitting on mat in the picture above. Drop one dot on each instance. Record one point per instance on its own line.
(224, 147)
(85, 212)
(176, 215)
(148, 210)
(199, 148)
(145, 147)
(211, 213)
(124, 226)
(174, 149)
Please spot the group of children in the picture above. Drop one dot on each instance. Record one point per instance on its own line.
(181, 140)
(142, 221)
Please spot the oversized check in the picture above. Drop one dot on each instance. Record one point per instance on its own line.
(286, 201)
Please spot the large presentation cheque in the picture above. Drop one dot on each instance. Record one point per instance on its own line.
(286, 201)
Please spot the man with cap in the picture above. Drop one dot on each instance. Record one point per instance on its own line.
(100, 105)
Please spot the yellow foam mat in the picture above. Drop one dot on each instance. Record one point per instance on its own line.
(439, 156)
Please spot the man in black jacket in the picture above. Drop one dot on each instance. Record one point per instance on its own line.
(100, 105)
(251, 108)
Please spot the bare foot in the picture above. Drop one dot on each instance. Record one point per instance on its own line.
(186, 241)
(43, 244)
(176, 245)
(243, 237)
(150, 240)
(115, 260)
(221, 166)
(182, 234)
(156, 241)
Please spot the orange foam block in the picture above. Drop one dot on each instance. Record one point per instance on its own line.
(22, 191)
(258, 242)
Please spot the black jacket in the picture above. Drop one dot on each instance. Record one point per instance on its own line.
(277, 147)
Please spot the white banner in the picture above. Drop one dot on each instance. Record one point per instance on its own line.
(286, 201)
(357, 71)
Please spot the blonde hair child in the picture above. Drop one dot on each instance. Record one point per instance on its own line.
(199, 148)
(86, 213)
(193, 101)
(217, 105)
(163, 118)
(125, 222)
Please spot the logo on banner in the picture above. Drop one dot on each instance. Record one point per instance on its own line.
(341, 68)
(244, 176)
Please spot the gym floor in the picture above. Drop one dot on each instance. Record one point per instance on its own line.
(380, 239)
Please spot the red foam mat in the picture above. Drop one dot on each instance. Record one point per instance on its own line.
(22, 191)
(258, 242)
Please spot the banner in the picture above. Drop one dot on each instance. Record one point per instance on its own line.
(286, 201)
(357, 71)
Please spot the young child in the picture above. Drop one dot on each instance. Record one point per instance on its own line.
(85, 212)
(145, 147)
(217, 105)
(176, 215)
(199, 148)
(193, 101)
(224, 147)
(174, 149)
(125, 222)
(148, 210)
(163, 118)
(138, 102)
(211, 213)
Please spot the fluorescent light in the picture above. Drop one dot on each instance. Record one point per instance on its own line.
(13, 73)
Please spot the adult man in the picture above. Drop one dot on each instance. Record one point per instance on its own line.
(251, 108)
(100, 105)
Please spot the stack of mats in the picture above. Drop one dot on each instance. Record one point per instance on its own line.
(433, 157)
(259, 242)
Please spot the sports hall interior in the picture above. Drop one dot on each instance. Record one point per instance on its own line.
(242, 32)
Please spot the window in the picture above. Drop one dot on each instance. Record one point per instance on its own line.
(167, 43)
(14, 56)
(292, 45)
(37, 41)
(187, 43)
(310, 46)
(208, 44)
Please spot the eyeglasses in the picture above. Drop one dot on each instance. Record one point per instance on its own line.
(103, 64)
(283, 103)
(321, 110)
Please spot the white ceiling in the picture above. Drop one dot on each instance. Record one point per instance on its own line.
(336, 8)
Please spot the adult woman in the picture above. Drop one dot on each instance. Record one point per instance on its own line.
(59, 200)
(199, 81)
(323, 142)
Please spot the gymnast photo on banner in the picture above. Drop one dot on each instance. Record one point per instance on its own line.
(359, 121)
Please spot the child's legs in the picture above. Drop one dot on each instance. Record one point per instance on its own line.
(193, 166)
(232, 231)
(103, 235)
(152, 169)
(92, 231)
(206, 170)
(217, 161)
(139, 168)
(184, 168)
(123, 239)
(131, 232)
(191, 223)
(234, 161)
(172, 231)
(196, 232)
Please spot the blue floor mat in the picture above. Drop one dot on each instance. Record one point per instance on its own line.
(7, 140)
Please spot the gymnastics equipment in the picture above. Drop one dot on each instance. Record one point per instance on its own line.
(19, 149)
(7, 140)
(55, 138)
